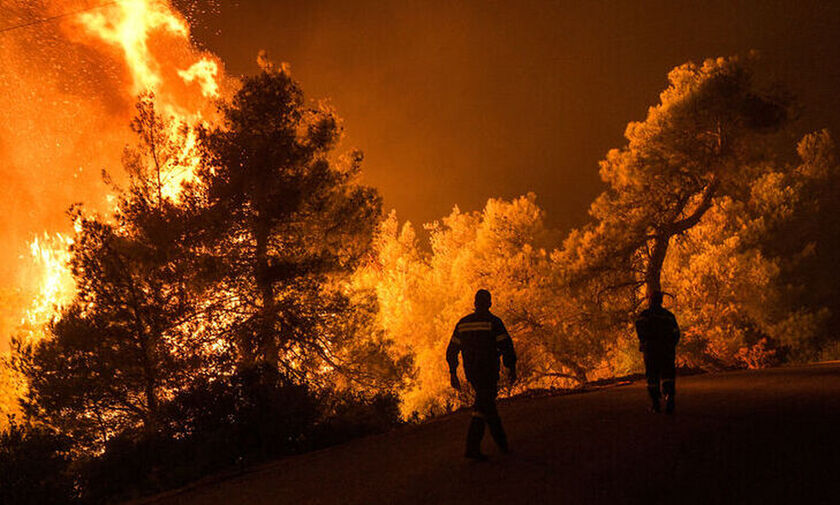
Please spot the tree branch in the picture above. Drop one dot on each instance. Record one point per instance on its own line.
(682, 225)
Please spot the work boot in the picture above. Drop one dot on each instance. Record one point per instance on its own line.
(669, 387)
(653, 391)
(498, 433)
(474, 435)
(654, 406)
(669, 404)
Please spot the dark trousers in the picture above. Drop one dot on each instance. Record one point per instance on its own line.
(660, 366)
(484, 412)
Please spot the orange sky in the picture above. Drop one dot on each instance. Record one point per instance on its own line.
(455, 102)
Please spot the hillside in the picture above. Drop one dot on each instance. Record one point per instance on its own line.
(766, 437)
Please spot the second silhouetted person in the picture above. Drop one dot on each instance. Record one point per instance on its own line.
(658, 336)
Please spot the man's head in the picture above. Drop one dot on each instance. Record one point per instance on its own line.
(482, 300)
(656, 299)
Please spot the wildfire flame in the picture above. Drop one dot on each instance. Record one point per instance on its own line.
(132, 26)
(204, 72)
(150, 41)
(128, 25)
(50, 254)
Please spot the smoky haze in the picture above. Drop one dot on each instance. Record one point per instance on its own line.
(62, 120)
(67, 97)
(456, 102)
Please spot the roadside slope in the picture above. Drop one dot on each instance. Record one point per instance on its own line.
(770, 436)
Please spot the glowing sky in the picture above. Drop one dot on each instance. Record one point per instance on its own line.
(455, 102)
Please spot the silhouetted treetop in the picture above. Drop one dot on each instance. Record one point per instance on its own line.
(286, 219)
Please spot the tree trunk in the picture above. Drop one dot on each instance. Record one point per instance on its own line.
(150, 384)
(653, 273)
(151, 404)
(266, 344)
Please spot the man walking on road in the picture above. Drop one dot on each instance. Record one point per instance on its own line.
(658, 336)
(481, 337)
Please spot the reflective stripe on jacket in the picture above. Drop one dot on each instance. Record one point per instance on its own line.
(481, 338)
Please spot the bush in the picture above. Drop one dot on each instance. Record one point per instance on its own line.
(355, 416)
(34, 466)
(213, 426)
(219, 425)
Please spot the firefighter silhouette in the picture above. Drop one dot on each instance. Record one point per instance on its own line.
(482, 338)
(658, 336)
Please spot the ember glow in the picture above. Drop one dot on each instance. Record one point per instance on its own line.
(68, 85)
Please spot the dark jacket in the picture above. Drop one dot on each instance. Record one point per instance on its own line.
(657, 330)
(481, 337)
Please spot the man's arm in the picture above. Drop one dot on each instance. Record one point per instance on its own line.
(452, 351)
(504, 345)
(675, 330)
(641, 330)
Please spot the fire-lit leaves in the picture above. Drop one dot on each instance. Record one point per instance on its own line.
(167, 155)
(422, 294)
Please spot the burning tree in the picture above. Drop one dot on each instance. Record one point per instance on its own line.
(110, 53)
(128, 340)
(243, 269)
(219, 313)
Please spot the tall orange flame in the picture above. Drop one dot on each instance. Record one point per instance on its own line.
(115, 52)
(128, 26)
(50, 255)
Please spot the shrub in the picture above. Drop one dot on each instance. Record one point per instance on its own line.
(34, 466)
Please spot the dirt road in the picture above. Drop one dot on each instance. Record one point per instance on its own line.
(763, 437)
